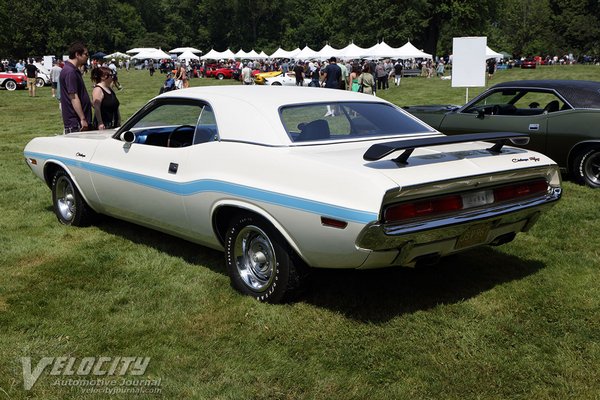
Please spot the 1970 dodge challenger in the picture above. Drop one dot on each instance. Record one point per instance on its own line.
(261, 174)
(562, 118)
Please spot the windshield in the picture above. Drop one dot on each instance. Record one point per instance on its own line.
(347, 120)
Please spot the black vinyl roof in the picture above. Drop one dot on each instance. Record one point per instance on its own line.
(580, 94)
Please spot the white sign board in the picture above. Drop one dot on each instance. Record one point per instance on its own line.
(468, 61)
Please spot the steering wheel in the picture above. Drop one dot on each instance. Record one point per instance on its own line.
(174, 141)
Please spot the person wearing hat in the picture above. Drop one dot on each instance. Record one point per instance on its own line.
(332, 74)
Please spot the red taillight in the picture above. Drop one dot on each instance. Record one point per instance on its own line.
(423, 208)
(518, 190)
(474, 199)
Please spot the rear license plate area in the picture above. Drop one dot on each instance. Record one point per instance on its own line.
(474, 235)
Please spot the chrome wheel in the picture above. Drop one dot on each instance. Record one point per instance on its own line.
(255, 258)
(10, 85)
(65, 199)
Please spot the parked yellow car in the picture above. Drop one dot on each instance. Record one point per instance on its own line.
(259, 79)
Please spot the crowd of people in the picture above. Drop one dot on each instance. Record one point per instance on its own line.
(101, 111)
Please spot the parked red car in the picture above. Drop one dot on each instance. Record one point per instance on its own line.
(528, 63)
(13, 80)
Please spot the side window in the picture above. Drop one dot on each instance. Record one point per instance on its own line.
(486, 104)
(176, 125)
(544, 101)
(517, 103)
(206, 130)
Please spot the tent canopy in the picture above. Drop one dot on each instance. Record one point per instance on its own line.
(187, 55)
(352, 51)
(139, 49)
(98, 55)
(151, 54)
(218, 55)
(185, 49)
(410, 51)
(489, 53)
(117, 54)
(306, 53)
(327, 51)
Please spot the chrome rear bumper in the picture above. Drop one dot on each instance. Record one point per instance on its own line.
(441, 236)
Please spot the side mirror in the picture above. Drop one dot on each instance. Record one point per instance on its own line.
(481, 114)
(128, 137)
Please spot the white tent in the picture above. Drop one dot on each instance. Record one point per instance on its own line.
(212, 55)
(253, 55)
(327, 51)
(227, 55)
(139, 49)
(241, 54)
(117, 54)
(218, 55)
(185, 49)
(263, 55)
(306, 53)
(152, 54)
(187, 56)
(489, 53)
(352, 51)
(409, 51)
(382, 50)
(281, 53)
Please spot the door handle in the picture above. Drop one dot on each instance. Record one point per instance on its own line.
(534, 127)
(173, 168)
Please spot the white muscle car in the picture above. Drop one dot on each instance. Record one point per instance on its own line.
(287, 79)
(261, 174)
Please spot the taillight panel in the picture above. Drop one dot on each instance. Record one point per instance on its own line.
(437, 206)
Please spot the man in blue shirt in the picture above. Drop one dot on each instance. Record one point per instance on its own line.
(332, 74)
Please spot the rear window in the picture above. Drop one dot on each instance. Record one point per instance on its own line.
(347, 120)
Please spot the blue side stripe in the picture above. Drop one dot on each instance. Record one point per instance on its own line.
(210, 185)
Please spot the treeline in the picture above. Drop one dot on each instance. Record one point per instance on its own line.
(519, 27)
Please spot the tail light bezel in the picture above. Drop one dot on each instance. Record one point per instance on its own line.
(447, 204)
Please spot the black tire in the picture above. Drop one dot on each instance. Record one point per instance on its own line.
(69, 206)
(220, 77)
(260, 262)
(276, 84)
(39, 82)
(587, 168)
(10, 85)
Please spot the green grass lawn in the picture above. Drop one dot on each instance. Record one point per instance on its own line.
(521, 321)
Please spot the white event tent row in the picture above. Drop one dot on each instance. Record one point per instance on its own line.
(379, 51)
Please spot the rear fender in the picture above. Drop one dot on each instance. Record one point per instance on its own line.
(219, 206)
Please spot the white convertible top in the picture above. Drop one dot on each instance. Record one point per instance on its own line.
(251, 113)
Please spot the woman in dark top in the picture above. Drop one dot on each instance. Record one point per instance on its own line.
(104, 100)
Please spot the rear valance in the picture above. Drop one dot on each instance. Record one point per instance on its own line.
(380, 150)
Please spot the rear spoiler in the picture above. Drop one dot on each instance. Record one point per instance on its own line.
(380, 150)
